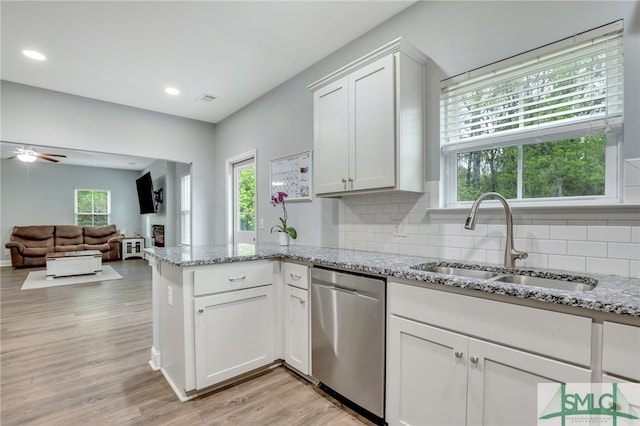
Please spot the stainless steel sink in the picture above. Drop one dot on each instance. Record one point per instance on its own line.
(460, 272)
(545, 282)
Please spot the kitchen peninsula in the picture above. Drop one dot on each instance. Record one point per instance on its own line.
(218, 314)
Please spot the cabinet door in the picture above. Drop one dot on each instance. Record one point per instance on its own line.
(331, 137)
(233, 334)
(426, 374)
(502, 387)
(296, 328)
(372, 148)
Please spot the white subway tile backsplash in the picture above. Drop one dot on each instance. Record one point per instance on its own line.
(496, 257)
(568, 232)
(568, 263)
(597, 265)
(549, 246)
(620, 234)
(609, 246)
(587, 248)
(535, 260)
(487, 243)
(473, 255)
(532, 231)
(460, 241)
(427, 251)
(451, 229)
(624, 251)
(439, 240)
(634, 269)
(450, 253)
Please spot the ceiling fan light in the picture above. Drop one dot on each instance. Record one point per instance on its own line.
(26, 157)
(34, 55)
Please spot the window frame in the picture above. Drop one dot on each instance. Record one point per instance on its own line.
(609, 126)
(93, 213)
(185, 210)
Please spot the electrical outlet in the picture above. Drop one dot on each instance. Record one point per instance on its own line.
(261, 221)
(170, 296)
(7, 252)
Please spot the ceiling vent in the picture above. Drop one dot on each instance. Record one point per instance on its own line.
(205, 99)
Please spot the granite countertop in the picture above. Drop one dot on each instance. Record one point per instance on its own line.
(613, 293)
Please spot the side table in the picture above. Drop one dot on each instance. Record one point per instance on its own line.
(132, 247)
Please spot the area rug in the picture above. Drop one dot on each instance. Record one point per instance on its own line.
(38, 279)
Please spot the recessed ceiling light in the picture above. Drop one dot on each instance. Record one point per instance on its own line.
(34, 55)
(171, 91)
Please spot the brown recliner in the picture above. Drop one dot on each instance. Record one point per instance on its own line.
(30, 244)
(104, 239)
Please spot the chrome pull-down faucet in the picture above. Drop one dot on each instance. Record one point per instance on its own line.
(510, 254)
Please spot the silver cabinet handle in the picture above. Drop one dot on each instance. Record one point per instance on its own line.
(295, 277)
(350, 183)
(201, 310)
(238, 278)
(458, 354)
(474, 359)
(302, 302)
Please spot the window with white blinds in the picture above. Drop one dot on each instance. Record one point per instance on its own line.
(185, 210)
(563, 97)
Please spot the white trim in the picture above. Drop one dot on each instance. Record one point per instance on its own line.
(4, 263)
(582, 210)
(397, 45)
(229, 163)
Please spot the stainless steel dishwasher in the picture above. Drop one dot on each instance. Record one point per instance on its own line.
(348, 336)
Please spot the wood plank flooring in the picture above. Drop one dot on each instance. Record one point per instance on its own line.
(79, 355)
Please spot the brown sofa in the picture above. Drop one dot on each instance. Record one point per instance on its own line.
(29, 245)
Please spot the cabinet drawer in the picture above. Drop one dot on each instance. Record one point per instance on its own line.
(296, 275)
(232, 276)
(557, 335)
(621, 350)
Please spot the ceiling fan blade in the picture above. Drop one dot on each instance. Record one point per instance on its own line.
(53, 155)
(44, 157)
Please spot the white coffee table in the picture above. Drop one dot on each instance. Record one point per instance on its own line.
(68, 263)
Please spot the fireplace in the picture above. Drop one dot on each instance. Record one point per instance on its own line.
(157, 232)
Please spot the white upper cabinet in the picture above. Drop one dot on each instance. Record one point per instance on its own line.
(368, 124)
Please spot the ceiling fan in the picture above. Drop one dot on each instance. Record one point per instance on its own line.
(28, 155)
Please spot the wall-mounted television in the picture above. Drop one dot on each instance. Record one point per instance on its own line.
(146, 197)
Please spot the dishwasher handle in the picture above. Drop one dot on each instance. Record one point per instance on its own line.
(346, 290)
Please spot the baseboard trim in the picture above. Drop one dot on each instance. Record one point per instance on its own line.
(4, 263)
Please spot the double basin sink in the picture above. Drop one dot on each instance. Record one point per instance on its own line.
(572, 283)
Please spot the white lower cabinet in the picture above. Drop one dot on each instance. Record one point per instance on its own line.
(233, 334)
(296, 317)
(439, 377)
(296, 328)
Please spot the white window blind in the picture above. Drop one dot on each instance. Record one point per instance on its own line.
(185, 210)
(574, 85)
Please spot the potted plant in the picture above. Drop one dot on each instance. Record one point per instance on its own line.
(284, 231)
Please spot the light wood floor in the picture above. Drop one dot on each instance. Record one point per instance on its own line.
(79, 355)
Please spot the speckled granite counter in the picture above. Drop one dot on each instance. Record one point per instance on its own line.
(612, 294)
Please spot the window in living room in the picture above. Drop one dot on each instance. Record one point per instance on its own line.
(92, 207)
(185, 210)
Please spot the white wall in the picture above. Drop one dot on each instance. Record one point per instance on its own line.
(276, 125)
(42, 117)
(42, 193)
